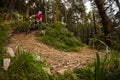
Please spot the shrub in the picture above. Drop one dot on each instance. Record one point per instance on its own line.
(3, 40)
(3, 35)
(108, 68)
(25, 67)
(96, 41)
(58, 36)
(68, 76)
(85, 73)
(113, 69)
(116, 45)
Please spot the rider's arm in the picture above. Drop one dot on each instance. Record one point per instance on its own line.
(41, 17)
(32, 16)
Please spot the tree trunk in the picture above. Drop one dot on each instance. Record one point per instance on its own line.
(57, 11)
(118, 4)
(43, 11)
(94, 21)
(28, 10)
(11, 6)
(105, 19)
(65, 15)
(46, 19)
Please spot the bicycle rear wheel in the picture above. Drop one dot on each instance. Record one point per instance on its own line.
(28, 29)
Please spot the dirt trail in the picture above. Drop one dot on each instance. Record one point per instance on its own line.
(58, 60)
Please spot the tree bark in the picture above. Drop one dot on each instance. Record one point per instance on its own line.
(94, 21)
(43, 10)
(11, 6)
(28, 10)
(57, 11)
(105, 19)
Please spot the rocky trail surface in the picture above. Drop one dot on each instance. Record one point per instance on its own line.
(59, 61)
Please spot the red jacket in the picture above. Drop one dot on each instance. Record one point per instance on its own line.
(38, 16)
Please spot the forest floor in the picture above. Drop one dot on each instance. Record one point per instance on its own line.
(58, 60)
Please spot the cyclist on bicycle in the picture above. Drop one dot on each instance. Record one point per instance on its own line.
(38, 18)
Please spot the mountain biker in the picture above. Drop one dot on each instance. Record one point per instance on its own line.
(38, 18)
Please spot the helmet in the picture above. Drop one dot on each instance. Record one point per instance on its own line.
(39, 12)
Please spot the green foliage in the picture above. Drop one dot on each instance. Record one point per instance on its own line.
(68, 76)
(3, 38)
(58, 36)
(25, 67)
(85, 73)
(105, 69)
(113, 70)
(85, 31)
(116, 45)
(108, 68)
(12, 16)
(99, 68)
(3, 9)
(19, 26)
(3, 35)
(96, 41)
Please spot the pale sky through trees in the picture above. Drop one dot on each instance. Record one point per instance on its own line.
(88, 6)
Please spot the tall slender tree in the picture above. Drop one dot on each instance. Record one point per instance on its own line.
(57, 11)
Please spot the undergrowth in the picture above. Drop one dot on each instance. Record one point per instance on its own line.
(25, 67)
(3, 40)
(58, 36)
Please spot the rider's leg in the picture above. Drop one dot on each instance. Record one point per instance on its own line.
(39, 28)
(31, 27)
(35, 25)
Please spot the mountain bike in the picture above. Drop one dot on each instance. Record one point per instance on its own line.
(34, 25)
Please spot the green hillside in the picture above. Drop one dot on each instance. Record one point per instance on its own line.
(59, 37)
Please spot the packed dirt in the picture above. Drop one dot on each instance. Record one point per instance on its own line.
(59, 61)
